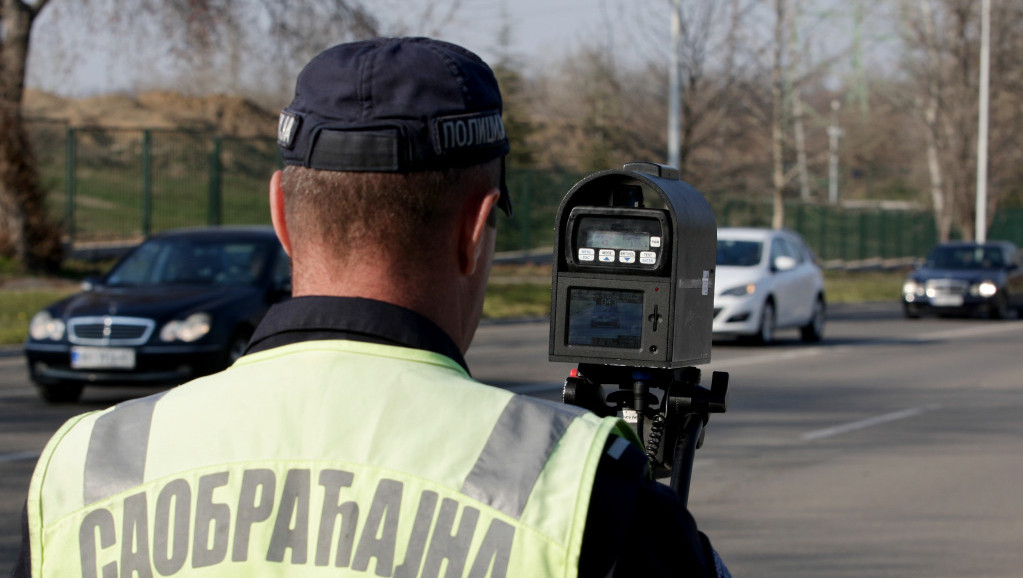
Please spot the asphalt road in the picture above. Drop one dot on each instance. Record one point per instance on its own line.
(891, 449)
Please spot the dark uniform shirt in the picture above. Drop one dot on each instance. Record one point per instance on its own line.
(635, 526)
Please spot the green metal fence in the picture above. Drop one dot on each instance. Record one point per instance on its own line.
(1007, 225)
(843, 234)
(127, 184)
(116, 185)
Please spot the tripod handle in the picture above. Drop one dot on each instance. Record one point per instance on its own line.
(685, 454)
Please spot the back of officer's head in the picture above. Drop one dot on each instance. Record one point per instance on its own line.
(384, 140)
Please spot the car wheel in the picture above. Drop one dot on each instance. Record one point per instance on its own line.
(813, 331)
(768, 323)
(60, 392)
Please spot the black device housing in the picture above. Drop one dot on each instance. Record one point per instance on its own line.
(646, 308)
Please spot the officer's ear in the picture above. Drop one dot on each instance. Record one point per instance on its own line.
(473, 241)
(277, 212)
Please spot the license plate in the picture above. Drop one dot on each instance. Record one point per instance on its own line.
(947, 300)
(102, 358)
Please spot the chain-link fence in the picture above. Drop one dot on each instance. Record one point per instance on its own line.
(121, 185)
(844, 235)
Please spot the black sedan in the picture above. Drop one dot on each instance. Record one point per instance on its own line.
(965, 278)
(180, 305)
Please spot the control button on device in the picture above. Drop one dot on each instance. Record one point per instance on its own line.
(586, 254)
(648, 257)
(607, 256)
(655, 242)
(627, 256)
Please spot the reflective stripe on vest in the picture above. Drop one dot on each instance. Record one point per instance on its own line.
(116, 460)
(516, 452)
(502, 478)
(316, 458)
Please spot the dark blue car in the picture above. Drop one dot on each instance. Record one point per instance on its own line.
(180, 305)
(966, 278)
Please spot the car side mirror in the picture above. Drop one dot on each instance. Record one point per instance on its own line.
(90, 283)
(783, 263)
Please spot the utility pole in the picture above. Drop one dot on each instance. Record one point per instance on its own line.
(982, 129)
(675, 89)
(834, 133)
(777, 115)
(860, 91)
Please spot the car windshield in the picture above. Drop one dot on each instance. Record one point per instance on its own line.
(739, 253)
(965, 258)
(192, 262)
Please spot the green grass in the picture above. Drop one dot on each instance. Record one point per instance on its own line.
(514, 292)
(22, 296)
(17, 308)
(524, 291)
(512, 300)
(110, 204)
(863, 286)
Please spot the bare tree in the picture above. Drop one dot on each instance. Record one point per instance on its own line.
(248, 42)
(712, 58)
(942, 41)
(26, 233)
(601, 108)
(921, 29)
(199, 31)
(798, 124)
(516, 96)
(790, 74)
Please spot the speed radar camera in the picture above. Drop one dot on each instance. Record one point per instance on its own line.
(633, 277)
(632, 302)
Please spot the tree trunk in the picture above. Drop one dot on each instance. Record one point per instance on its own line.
(725, 111)
(942, 216)
(26, 233)
(797, 104)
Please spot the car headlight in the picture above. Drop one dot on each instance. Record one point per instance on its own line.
(190, 329)
(984, 289)
(741, 290)
(45, 326)
(911, 287)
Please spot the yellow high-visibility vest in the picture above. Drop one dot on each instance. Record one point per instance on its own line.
(329, 458)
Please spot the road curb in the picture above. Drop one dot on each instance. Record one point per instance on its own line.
(11, 351)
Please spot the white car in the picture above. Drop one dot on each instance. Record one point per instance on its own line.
(767, 280)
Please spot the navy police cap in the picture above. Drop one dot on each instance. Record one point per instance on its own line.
(395, 105)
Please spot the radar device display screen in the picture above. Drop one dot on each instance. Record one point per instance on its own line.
(605, 318)
(611, 239)
(617, 240)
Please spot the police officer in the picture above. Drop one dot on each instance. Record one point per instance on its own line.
(351, 439)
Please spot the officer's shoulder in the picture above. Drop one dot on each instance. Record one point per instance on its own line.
(623, 458)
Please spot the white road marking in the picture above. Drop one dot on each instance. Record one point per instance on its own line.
(772, 357)
(972, 331)
(865, 423)
(810, 351)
